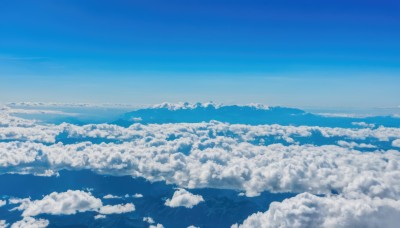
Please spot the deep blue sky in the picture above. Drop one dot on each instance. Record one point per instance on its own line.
(297, 53)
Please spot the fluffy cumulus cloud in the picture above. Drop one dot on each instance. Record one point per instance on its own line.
(396, 143)
(117, 209)
(307, 210)
(31, 223)
(183, 198)
(64, 203)
(68, 203)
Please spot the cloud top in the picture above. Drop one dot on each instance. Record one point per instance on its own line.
(307, 210)
(183, 198)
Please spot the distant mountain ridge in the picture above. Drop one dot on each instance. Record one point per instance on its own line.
(253, 114)
(187, 105)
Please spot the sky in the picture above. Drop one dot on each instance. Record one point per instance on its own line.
(332, 53)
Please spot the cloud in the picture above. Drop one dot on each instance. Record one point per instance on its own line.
(156, 226)
(355, 145)
(363, 124)
(2, 203)
(137, 195)
(396, 143)
(109, 196)
(64, 203)
(40, 111)
(307, 210)
(68, 203)
(342, 115)
(117, 209)
(99, 216)
(31, 223)
(3, 224)
(7, 120)
(14, 128)
(183, 198)
(67, 105)
(149, 220)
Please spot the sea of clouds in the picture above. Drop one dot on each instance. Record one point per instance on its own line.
(339, 184)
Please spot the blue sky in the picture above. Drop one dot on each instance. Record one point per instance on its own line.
(293, 53)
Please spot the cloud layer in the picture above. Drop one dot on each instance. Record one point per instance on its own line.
(355, 188)
(219, 163)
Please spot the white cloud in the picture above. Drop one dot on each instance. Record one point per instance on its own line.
(109, 196)
(183, 198)
(39, 111)
(18, 200)
(117, 209)
(29, 222)
(137, 195)
(341, 115)
(136, 119)
(2, 203)
(64, 203)
(70, 105)
(396, 143)
(99, 216)
(13, 128)
(68, 203)
(363, 124)
(355, 145)
(156, 226)
(3, 224)
(149, 220)
(307, 210)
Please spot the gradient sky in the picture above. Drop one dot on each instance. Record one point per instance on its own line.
(330, 53)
